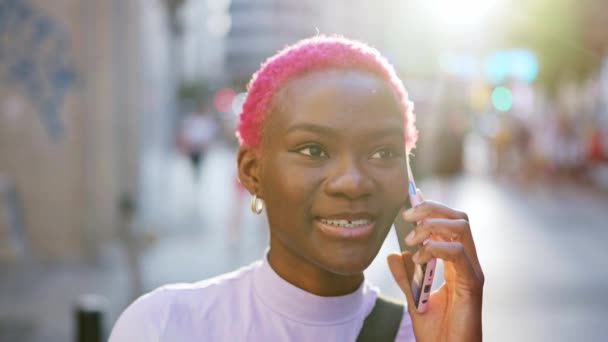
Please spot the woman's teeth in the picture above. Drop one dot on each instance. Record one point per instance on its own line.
(346, 223)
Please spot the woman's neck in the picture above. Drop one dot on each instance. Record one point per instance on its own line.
(308, 276)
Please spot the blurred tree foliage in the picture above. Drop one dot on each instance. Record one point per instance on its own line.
(560, 32)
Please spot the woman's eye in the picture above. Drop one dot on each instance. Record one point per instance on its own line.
(312, 151)
(385, 153)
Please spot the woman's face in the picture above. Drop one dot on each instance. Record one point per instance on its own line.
(333, 173)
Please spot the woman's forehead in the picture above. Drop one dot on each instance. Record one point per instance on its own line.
(358, 77)
(350, 102)
(332, 88)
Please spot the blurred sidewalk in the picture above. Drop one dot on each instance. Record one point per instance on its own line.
(542, 249)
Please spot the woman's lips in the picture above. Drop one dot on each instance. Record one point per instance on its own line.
(343, 228)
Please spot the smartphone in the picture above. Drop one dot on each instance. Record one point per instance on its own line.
(421, 277)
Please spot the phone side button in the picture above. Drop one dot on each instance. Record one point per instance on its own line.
(427, 289)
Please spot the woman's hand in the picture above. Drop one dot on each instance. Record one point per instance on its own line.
(454, 310)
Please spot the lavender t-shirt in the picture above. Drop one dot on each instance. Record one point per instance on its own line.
(251, 304)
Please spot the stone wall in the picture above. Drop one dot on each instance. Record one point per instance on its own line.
(68, 118)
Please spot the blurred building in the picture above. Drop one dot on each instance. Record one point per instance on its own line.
(205, 25)
(78, 81)
(260, 28)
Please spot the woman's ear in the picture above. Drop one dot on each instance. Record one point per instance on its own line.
(249, 167)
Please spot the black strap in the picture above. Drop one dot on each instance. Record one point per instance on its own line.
(382, 324)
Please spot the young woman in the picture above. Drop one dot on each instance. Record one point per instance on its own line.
(324, 134)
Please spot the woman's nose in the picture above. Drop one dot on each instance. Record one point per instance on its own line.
(348, 179)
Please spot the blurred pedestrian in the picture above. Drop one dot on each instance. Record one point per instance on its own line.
(324, 134)
(196, 132)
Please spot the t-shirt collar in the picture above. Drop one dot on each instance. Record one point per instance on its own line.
(288, 300)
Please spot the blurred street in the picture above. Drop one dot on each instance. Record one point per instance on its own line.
(542, 249)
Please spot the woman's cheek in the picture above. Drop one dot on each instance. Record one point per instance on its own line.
(394, 185)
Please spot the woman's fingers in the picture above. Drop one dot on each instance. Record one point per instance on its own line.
(440, 229)
(455, 253)
(444, 224)
(432, 209)
(401, 266)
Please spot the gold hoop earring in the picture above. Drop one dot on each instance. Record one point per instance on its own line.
(257, 204)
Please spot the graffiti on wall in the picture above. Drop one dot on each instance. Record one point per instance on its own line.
(34, 59)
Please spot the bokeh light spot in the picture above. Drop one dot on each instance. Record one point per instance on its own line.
(479, 97)
(222, 100)
(502, 99)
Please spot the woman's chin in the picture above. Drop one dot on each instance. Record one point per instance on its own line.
(349, 264)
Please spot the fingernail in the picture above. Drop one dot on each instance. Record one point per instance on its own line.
(409, 239)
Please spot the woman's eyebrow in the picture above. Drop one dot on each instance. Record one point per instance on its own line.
(390, 131)
(386, 132)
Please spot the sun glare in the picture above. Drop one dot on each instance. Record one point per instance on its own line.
(459, 17)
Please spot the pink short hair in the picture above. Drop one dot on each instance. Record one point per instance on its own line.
(315, 54)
